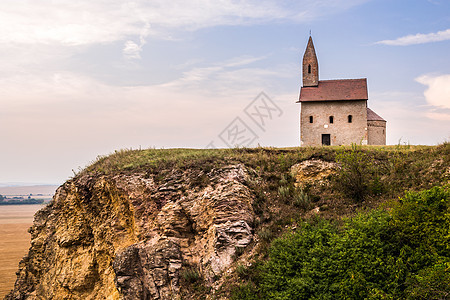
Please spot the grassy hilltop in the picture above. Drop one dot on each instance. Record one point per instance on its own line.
(367, 175)
(352, 234)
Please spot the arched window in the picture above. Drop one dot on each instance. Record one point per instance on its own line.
(350, 118)
(309, 69)
(311, 119)
(331, 119)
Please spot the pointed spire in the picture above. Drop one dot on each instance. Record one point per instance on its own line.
(310, 65)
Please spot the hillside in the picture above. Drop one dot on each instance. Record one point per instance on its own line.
(195, 224)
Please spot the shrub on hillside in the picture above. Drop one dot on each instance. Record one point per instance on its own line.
(358, 175)
(395, 254)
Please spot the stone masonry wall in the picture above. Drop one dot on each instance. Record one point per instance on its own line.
(341, 132)
(376, 132)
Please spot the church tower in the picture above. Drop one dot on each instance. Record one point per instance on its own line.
(310, 66)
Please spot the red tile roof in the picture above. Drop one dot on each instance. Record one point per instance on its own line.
(372, 116)
(335, 90)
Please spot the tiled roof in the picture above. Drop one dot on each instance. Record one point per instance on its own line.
(372, 116)
(335, 90)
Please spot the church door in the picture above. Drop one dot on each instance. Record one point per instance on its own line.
(326, 140)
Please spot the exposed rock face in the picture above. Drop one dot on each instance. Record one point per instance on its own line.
(129, 236)
(313, 170)
(148, 271)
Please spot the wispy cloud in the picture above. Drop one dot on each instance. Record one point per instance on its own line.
(419, 38)
(438, 116)
(132, 50)
(50, 33)
(72, 94)
(82, 22)
(236, 76)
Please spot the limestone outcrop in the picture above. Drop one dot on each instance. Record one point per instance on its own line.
(312, 171)
(131, 235)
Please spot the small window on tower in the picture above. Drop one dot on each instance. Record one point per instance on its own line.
(311, 119)
(350, 118)
(309, 69)
(331, 119)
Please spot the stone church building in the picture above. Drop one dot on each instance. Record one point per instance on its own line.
(335, 112)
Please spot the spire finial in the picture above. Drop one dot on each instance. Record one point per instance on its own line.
(310, 32)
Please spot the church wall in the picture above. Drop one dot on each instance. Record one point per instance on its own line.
(376, 132)
(341, 132)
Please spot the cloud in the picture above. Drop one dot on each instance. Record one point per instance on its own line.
(50, 34)
(132, 50)
(438, 116)
(438, 91)
(419, 38)
(85, 22)
(64, 22)
(236, 76)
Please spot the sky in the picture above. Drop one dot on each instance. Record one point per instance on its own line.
(82, 79)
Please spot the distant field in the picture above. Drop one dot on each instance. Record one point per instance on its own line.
(14, 241)
(26, 190)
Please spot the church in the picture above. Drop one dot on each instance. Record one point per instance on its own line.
(335, 112)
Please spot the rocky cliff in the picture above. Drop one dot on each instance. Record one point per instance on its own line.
(153, 224)
(129, 236)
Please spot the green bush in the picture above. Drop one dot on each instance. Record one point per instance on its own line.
(431, 283)
(298, 261)
(245, 291)
(358, 175)
(398, 253)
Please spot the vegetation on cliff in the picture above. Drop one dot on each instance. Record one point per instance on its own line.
(398, 253)
(245, 223)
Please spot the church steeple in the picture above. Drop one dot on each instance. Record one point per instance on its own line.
(310, 66)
